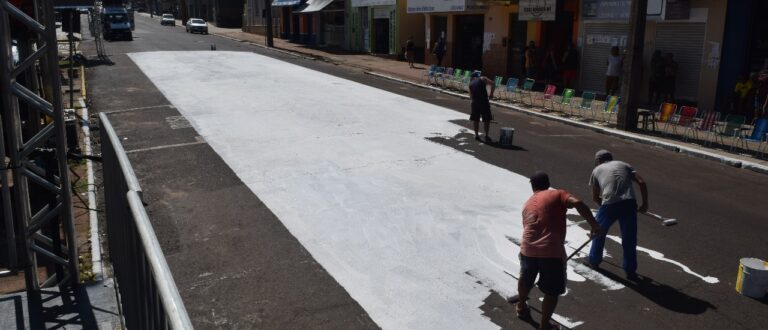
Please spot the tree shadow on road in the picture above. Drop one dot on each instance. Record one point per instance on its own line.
(663, 295)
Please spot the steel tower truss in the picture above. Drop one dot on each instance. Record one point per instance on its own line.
(36, 205)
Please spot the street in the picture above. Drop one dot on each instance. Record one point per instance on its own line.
(292, 193)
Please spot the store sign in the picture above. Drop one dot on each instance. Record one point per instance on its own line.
(604, 39)
(678, 9)
(606, 10)
(372, 3)
(381, 12)
(435, 6)
(537, 10)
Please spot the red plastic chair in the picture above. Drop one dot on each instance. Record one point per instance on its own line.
(685, 118)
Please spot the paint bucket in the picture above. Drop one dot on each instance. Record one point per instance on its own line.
(752, 280)
(506, 135)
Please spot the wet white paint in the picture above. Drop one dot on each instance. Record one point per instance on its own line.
(660, 256)
(396, 219)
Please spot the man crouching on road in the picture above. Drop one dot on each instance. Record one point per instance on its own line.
(542, 251)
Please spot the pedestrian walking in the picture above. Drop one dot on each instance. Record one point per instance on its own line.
(481, 105)
(542, 252)
(570, 65)
(531, 60)
(439, 50)
(409, 51)
(656, 79)
(612, 189)
(615, 62)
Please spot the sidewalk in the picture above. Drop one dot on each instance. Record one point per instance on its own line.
(399, 71)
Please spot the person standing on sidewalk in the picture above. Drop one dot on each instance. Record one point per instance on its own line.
(615, 62)
(542, 250)
(439, 51)
(531, 60)
(570, 65)
(481, 105)
(409, 51)
(611, 183)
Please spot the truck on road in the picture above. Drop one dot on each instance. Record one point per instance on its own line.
(116, 23)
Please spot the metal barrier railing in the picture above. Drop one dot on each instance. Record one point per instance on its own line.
(148, 293)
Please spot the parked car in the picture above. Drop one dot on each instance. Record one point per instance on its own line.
(197, 25)
(168, 19)
(116, 23)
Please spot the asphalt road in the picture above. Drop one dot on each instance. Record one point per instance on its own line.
(238, 267)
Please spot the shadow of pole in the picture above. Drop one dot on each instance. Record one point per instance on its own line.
(54, 310)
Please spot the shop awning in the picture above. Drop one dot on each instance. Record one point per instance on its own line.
(314, 6)
(280, 3)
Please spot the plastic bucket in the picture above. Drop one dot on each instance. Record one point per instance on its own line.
(506, 136)
(752, 280)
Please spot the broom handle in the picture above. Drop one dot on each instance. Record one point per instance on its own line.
(579, 249)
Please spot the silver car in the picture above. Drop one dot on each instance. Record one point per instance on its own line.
(197, 25)
(168, 19)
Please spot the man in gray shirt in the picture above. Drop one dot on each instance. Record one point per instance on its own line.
(611, 183)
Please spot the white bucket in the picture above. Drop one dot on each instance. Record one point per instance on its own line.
(752, 280)
(506, 136)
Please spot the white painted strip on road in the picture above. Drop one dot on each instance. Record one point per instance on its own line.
(140, 108)
(396, 219)
(165, 147)
(660, 256)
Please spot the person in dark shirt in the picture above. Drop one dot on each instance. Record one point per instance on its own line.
(481, 107)
(409, 51)
(570, 65)
(656, 81)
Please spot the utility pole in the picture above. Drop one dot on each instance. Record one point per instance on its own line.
(632, 82)
(268, 31)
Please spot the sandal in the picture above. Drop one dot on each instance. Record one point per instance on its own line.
(553, 327)
(523, 313)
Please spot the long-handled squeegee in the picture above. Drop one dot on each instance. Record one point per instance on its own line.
(665, 222)
(516, 297)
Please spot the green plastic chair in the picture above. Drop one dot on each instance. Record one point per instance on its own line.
(587, 98)
(566, 98)
(457, 73)
(528, 89)
(730, 128)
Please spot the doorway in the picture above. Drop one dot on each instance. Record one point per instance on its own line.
(468, 49)
(381, 35)
(518, 33)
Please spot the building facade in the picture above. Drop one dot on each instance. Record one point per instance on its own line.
(492, 36)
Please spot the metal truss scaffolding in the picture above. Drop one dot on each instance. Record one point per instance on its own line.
(36, 201)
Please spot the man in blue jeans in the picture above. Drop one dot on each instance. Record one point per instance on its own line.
(611, 183)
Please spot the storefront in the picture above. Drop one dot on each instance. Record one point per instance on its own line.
(289, 27)
(692, 31)
(745, 47)
(373, 26)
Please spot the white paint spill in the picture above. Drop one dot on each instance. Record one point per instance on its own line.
(660, 256)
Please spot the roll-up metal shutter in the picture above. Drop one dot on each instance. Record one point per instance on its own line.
(597, 42)
(686, 42)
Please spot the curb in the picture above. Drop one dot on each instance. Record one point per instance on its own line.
(703, 154)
